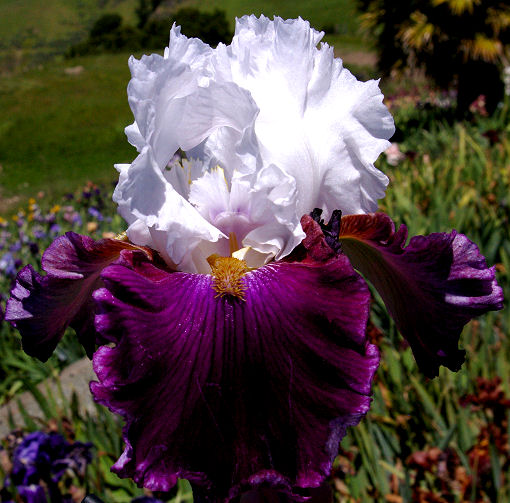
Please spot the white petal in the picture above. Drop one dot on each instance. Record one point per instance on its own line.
(157, 92)
(181, 174)
(139, 234)
(214, 107)
(273, 204)
(175, 225)
(288, 126)
(316, 121)
(210, 194)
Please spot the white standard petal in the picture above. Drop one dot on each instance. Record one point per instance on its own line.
(272, 127)
(175, 226)
(157, 90)
(316, 121)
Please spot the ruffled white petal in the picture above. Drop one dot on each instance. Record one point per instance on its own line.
(316, 121)
(175, 226)
(255, 210)
(158, 89)
(272, 127)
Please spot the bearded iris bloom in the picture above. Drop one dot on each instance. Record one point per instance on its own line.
(230, 321)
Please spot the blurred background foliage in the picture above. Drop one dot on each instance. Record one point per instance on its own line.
(62, 92)
(459, 43)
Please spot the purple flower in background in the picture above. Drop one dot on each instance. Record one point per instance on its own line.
(46, 456)
(33, 493)
(15, 247)
(40, 461)
(55, 229)
(39, 233)
(8, 265)
(77, 220)
(94, 212)
(230, 321)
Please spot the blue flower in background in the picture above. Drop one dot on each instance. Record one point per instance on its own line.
(39, 233)
(7, 265)
(41, 460)
(94, 212)
(55, 229)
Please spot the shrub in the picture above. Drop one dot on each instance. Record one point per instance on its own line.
(108, 35)
(155, 33)
(211, 27)
(144, 11)
(105, 25)
(456, 41)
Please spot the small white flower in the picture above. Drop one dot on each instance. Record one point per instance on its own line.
(272, 127)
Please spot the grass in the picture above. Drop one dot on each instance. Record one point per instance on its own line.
(60, 130)
(26, 24)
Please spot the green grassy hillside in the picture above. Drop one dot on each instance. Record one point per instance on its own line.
(30, 24)
(59, 130)
(32, 33)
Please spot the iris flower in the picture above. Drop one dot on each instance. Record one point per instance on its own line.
(40, 462)
(231, 320)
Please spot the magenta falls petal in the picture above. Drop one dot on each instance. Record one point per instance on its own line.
(42, 307)
(432, 287)
(234, 393)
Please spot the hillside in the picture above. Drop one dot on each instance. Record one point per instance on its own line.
(32, 33)
(30, 24)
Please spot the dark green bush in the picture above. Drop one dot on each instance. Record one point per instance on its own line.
(211, 27)
(457, 42)
(329, 29)
(108, 34)
(144, 11)
(155, 33)
(105, 25)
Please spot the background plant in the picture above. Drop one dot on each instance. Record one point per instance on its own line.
(458, 42)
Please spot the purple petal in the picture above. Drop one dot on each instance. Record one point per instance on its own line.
(42, 307)
(431, 288)
(229, 393)
(32, 494)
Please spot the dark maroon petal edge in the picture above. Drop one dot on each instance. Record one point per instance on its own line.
(432, 287)
(42, 307)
